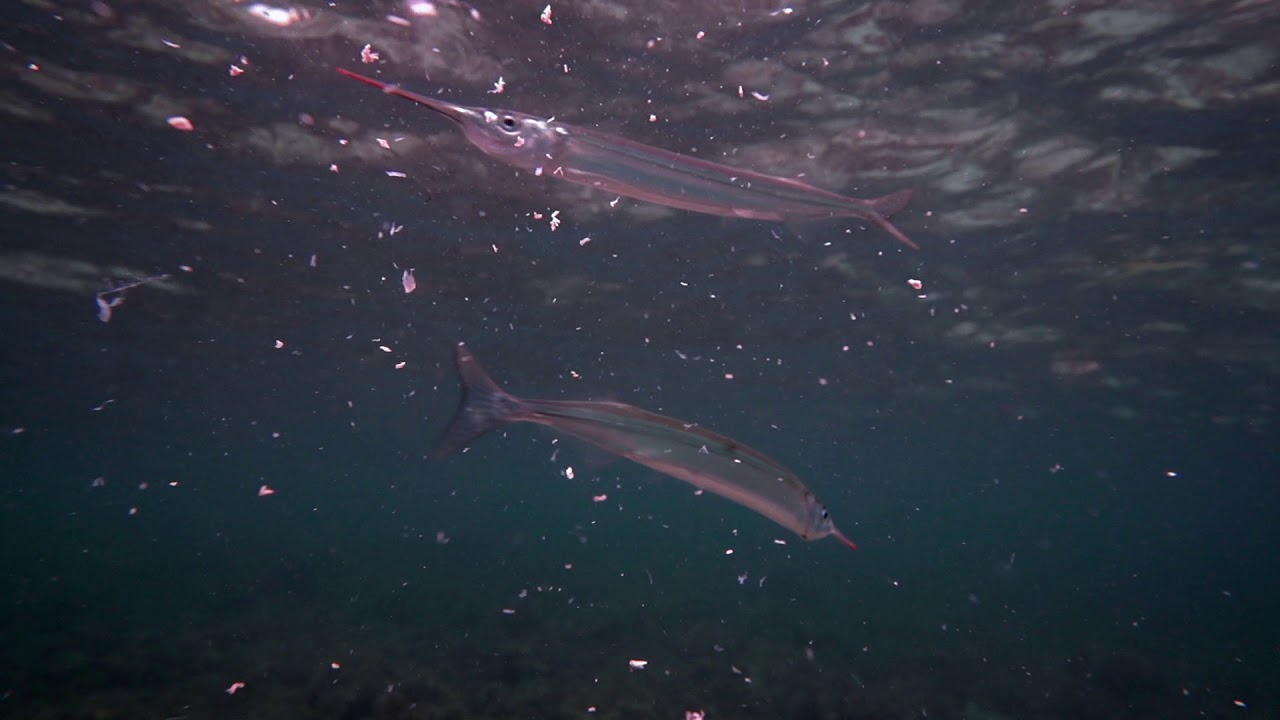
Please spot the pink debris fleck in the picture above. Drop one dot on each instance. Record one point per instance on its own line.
(915, 284)
(546, 15)
(369, 55)
(599, 498)
(263, 492)
(279, 344)
(235, 688)
(695, 714)
(179, 122)
(408, 281)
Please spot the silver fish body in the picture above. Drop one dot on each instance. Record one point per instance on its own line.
(623, 167)
(707, 460)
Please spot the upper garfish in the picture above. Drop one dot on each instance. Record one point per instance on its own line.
(622, 167)
(711, 462)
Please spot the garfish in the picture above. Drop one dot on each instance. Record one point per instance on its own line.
(624, 167)
(683, 450)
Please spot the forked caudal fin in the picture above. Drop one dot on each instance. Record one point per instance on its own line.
(883, 208)
(483, 407)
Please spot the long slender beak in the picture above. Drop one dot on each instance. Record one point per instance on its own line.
(840, 536)
(456, 113)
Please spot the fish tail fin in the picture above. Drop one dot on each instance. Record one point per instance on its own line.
(483, 407)
(883, 208)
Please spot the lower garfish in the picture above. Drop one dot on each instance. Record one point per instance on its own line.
(706, 460)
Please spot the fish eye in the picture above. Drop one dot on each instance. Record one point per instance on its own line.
(825, 514)
(509, 123)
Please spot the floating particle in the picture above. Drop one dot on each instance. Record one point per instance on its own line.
(235, 70)
(546, 15)
(396, 174)
(335, 666)
(234, 688)
(423, 8)
(104, 306)
(499, 87)
(368, 55)
(265, 491)
(915, 284)
(508, 611)
(280, 17)
(637, 664)
(178, 122)
(409, 283)
(568, 472)
(583, 242)
(599, 498)
(279, 344)
(695, 715)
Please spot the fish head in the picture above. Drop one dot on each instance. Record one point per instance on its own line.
(817, 519)
(526, 141)
(818, 522)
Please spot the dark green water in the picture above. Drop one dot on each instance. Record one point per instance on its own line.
(1058, 455)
